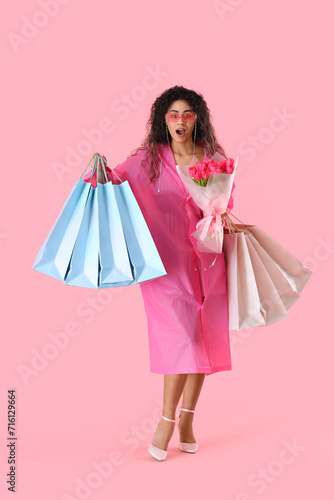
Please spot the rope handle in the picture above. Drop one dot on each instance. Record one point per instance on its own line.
(100, 159)
(233, 228)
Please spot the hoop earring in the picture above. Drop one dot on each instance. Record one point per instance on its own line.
(167, 134)
(194, 139)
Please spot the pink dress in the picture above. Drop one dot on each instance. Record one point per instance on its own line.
(186, 334)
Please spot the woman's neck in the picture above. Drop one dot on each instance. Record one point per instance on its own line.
(182, 149)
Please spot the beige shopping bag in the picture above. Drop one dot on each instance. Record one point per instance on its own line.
(263, 278)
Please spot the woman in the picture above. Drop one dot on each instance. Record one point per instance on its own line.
(187, 308)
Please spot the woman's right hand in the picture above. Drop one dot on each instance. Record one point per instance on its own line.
(101, 176)
(100, 172)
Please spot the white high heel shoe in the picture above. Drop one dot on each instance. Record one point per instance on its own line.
(156, 452)
(188, 447)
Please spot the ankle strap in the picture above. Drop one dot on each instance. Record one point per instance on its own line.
(169, 419)
(184, 409)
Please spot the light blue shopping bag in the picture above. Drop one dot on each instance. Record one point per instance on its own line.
(100, 239)
(100, 258)
(144, 256)
(55, 254)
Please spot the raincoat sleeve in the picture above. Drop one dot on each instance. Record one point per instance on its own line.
(127, 171)
(130, 168)
(230, 204)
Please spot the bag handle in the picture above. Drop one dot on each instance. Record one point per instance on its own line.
(83, 173)
(232, 228)
(93, 170)
(100, 158)
(114, 173)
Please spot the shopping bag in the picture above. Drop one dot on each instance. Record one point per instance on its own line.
(263, 278)
(115, 263)
(142, 253)
(100, 258)
(97, 241)
(55, 254)
(144, 256)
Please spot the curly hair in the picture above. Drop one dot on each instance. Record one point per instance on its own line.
(156, 128)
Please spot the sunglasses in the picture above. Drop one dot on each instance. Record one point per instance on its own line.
(188, 116)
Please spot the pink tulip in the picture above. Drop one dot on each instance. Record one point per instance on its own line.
(204, 169)
(197, 176)
(206, 173)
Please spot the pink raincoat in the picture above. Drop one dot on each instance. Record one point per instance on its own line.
(186, 334)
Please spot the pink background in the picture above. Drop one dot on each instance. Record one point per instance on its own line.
(93, 65)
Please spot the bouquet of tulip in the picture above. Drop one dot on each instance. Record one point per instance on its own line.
(210, 184)
(203, 170)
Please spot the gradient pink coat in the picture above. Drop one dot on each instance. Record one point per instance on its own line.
(185, 335)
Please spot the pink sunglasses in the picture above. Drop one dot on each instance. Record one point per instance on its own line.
(188, 116)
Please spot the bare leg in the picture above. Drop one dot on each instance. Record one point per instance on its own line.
(191, 392)
(173, 387)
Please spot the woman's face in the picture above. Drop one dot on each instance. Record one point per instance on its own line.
(180, 119)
